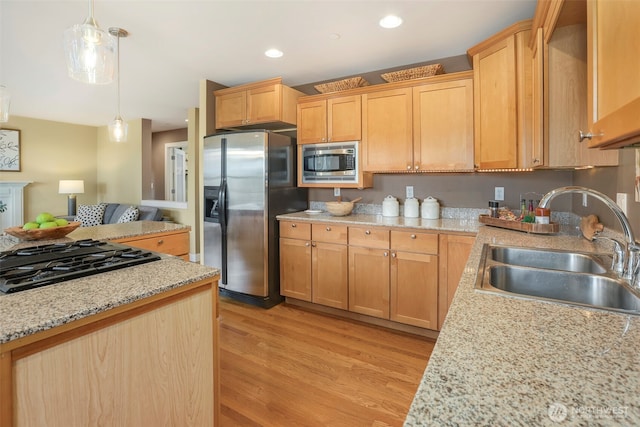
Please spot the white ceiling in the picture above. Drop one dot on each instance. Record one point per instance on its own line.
(175, 44)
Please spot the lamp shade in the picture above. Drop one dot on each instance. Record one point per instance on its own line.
(71, 186)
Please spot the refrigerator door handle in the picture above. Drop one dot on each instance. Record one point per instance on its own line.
(222, 204)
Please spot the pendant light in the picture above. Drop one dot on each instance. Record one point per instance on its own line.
(89, 51)
(118, 127)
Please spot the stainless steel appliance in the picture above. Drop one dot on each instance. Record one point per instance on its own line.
(330, 163)
(36, 266)
(249, 178)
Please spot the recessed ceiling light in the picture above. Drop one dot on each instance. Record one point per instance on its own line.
(274, 53)
(390, 21)
(334, 36)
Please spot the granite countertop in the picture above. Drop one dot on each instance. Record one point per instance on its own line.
(504, 361)
(27, 312)
(468, 225)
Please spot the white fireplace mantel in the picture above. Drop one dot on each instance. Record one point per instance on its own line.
(12, 200)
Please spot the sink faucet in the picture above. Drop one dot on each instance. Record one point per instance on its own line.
(628, 266)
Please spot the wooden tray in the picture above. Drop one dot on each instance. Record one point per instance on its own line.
(527, 227)
(42, 233)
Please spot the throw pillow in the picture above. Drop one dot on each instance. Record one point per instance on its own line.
(131, 214)
(90, 215)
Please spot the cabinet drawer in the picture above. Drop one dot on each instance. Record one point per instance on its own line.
(295, 230)
(329, 233)
(414, 242)
(172, 244)
(370, 237)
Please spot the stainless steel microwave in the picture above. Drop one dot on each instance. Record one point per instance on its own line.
(330, 163)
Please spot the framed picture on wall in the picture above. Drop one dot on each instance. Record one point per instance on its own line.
(9, 150)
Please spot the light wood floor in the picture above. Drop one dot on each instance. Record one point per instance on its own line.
(286, 366)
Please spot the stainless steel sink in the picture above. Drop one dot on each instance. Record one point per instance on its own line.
(558, 276)
(549, 259)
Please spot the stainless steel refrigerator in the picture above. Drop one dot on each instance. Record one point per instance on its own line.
(249, 178)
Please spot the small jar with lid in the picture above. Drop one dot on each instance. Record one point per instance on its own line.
(430, 208)
(493, 209)
(390, 206)
(411, 208)
(543, 215)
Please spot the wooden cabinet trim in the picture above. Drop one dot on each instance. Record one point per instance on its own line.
(295, 229)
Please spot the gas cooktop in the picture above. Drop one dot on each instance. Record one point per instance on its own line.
(36, 266)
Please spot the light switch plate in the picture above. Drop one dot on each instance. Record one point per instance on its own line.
(621, 200)
(409, 191)
(499, 193)
(336, 192)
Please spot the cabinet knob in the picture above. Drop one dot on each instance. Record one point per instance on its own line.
(536, 160)
(307, 244)
(413, 236)
(160, 241)
(386, 254)
(313, 244)
(408, 167)
(589, 135)
(293, 225)
(328, 228)
(416, 167)
(367, 232)
(393, 255)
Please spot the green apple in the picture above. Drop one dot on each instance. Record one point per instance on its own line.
(30, 226)
(62, 222)
(48, 224)
(45, 217)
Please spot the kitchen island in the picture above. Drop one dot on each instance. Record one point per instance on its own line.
(504, 361)
(135, 346)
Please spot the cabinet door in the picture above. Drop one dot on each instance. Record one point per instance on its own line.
(414, 289)
(295, 269)
(387, 131)
(613, 63)
(231, 109)
(443, 126)
(344, 118)
(495, 96)
(330, 275)
(312, 122)
(263, 104)
(454, 252)
(369, 281)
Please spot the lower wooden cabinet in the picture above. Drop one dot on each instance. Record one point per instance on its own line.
(406, 276)
(172, 242)
(414, 279)
(313, 263)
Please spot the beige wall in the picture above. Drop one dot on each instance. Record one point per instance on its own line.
(51, 151)
(119, 167)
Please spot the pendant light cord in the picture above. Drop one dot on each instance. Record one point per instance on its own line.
(118, 71)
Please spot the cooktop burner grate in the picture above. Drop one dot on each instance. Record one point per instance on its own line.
(37, 266)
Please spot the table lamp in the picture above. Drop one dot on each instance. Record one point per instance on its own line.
(71, 187)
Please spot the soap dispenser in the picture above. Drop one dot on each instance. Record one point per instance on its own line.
(411, 208)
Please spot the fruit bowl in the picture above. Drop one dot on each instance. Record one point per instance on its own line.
(42, 233)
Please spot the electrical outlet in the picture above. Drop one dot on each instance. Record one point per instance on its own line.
(336, 192)
(584, 200)
(499, 193)
(621, 200)
(409, 191)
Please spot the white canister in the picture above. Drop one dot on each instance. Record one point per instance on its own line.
(430, 208)
(390, 206)
(411, 208)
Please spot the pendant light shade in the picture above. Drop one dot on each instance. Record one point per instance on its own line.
(118, 128)
(5, 103)
(90, 52)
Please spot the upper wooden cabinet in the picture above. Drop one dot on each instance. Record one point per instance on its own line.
(503, 107)
(267, 104)
(443, 126)
(427, 126)
(613, 61)
(560, 86)
(333, 119)
(387, 134)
